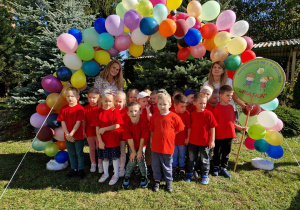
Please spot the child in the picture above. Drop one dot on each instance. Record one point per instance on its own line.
(182, 137)
(91, 111)
(174, 94)
(153, 102)
(225, 117)
(132, 95)
(71, 117)
(202, 137)
(120, 104)
(107, 123)
(148, 91)
(136, 132)
(207, 90)
(213, 101)
(190, 97)
(163, 127)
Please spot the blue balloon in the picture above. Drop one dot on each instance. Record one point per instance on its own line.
(105, 41)
(149, 26)
(61, 156)
(192, 37)
(99, 25)
(46, 93)
(275, 152)
(261, 145)
(63, 74)
(76, 33)
(91, 68)
(52, 121)
(270, 105)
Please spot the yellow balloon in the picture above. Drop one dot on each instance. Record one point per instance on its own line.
(194, 9)
(78, 79)
(126, 30)
(173, 4)
(222, 38)
(102, 57)
(237, 45)
(273, 137)
(136, 50)
(63, 92)
(51, 99)
(54, 74)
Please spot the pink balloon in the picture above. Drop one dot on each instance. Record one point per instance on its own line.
(277, 127)
(249, 143)
(51, 84)
(113, 51)
(155, 2)
(197, 24)
(227, 30)
(59, 134)
(198, 51)
(249, 42)
(67, 43)
(123, 42)
(114, 25)
(225, 20)
(182, 16)
(36, 120)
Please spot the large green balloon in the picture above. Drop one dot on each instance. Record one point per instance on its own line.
(233, 62)
(51, 150)
(157, 41)
(85, 52)
(251, 121)
(256, 131)
(38, 145)
(210, 11)
(121, 10)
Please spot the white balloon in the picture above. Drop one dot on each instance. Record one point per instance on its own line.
(267, 119)
(59, 134)
(72, 61)
(191, 21)
(138, 37)
(240, 28)
(130, 4)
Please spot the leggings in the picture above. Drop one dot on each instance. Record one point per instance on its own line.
(93, 145)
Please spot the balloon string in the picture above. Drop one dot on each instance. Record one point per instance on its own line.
(291, 152)
(28, 150)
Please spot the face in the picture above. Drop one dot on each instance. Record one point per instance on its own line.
(263, 80)
(72, 98)
(107, 101)
(200, 104)
(134, 113)
(93, 99)
(114, 69)
(190, 98)
(180, 108)
(119, 102)
(132, 97)
(207, 93)
(249, 78)
(214, 99)
(143, 102)
(226, 97)
(163, 105)
(217, 70)
(153, 100)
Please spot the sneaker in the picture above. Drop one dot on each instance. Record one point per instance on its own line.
(204, 180)
(126, 182)
(137, 171)
(181, 173)
(121, 172)
(114, 179)
(169, 187)
(100, 168)
(80, 174)
(144, 182)
(225, 173)
(188, 177)
(93, 167)
(103, 178)
(216, 171)
(156, 186)
(149, 170)
(72, 173)
(196, 175)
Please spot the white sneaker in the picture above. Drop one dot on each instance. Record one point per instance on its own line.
(93, 167)
(103, 178)
(100, 168)
(121, 172)
(113, 180)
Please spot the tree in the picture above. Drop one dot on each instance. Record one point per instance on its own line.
(102, 8)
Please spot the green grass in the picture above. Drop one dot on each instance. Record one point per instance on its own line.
(34, 187)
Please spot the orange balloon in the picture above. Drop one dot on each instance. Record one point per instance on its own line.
(55, 100)
(209, 44)
(179, 46)
(61, 145)
(56, 111)
(167, 27)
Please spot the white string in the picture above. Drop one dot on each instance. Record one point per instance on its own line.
(292, 152)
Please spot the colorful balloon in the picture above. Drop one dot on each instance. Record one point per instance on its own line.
(209, 44)
(237, 45)
(226, 20)
(61, 157)
(218, 54)
(274, 137)
(37, 120)
(102, 57)
(252, 120)
(132, 19)
(38, 145)
(271, 105)
(239, 28)
(249, 143)
(191, 21)
(261, 145)
(105, 41)
(130, 4)
(90, 36)
(277, 127)
(267, 119)
(76, 33)
(192, 37)
(51, 150)
(249, 42)
(67, 43)
(222, 38)
(42, 109)
(138, 37)
(45, 134)
(148, 26)
(72, 61)
(114, 25)
(52, 121)
(157, 41)
(78, 79)
(256, 131)
(182, 28)
(136, 50)
(173, 4)
(123, 42)
(59, 134)
(210, 10)
(51, 84)
(145, 7)
(61, 145)
(63, 74)
(198, 51)
(91, 68)
(208, 31)
(160, 13)
(248, 55)
(233, 62)
(121, 10)
(99, 25)
(55, 100)
(255, 110)
(85, 51)
(275, 152)
(167, 27)
(194, 9)
(183, 54)
(113, 51)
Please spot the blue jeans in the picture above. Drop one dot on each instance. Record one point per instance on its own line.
(76, 154)
(162, 163)
(179, 156)
(204, 155)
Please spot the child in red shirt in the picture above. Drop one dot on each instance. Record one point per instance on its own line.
(182, 137)
(107, 123)
(163, 127)
(202, 137)
(132, 95)
(207, 90)
(224, 114)
(190, 97)
(136, 133)
(91, 111)
(176, 92)
(71, 117)
(213, 101)
(153, 102)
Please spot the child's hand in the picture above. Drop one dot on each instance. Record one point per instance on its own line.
(212, 145)
(139, 156)
(148, 108)
(243, 128)
(132, 156)
(84, 134)
(68, 137)
(101, 131)
(186, 141)
(101, 145)
(249, 107)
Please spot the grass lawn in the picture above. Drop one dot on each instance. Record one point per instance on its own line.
(34, 187)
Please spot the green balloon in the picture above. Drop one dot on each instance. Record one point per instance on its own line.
(256, 131)
(85, 52)
(191, 57)
(233, 62)
(38, 145)
(157, 41)
(210, 10)
(251, 121)
(121, 10)
(90, 36)
(51, 150)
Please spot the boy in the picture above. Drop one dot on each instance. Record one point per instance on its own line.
(71, 117)
(163, 126)
(136, 132)
(176, 92)
(225, 132)
(213, 101)
(202, 137)
(190, 97)
(182, 137)
(153, 102)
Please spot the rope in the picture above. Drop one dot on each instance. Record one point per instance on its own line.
(291, 152)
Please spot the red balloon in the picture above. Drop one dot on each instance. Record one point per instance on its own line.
(248, 55)
(43, 109)
(249, 143)
(184, 53)
(45, 134)
(230, 74)
(197, 24)
(208, 31)
(255, 110)
(171, 17)
(182, 28)
(97, 48)
(183, 16)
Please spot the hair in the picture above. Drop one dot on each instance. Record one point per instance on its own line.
(147, 91)
(267, 78)
(216, 91)
(154, 92)
(106, 72)
(132, 91)
(223, 76)
(176, 92)
(180, 98)
(121, 93)
(74, 90)
(94, 91)
(250, 75)
(225, 88)
(134, 103)
(198, 96)
(107, 92)
(164, 96)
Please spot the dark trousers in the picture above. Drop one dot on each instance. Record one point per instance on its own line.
(162, 165)
(222, 147)
(76, 155)
(204, 157)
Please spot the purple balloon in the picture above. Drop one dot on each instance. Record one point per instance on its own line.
(132, 19)
(249, 42)
(123, 42)
(114, 25)
(51, 84)
(36, 120)
(113, 51)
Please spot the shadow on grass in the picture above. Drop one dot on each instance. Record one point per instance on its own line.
(296, 202)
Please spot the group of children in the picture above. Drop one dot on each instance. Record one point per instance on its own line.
(160, 133)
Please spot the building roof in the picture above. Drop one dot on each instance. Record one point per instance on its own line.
(277, 44)
(139, 58)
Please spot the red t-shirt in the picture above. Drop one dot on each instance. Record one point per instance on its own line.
(70, 115)
(172, 105)
(209, 107)
(190, 108)
(144, 114)
(136, 132)
(125, 117)
(90, 114)
(164, 128)
(107, 118)
(182, 135)
(225, 118)
(201, 123)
